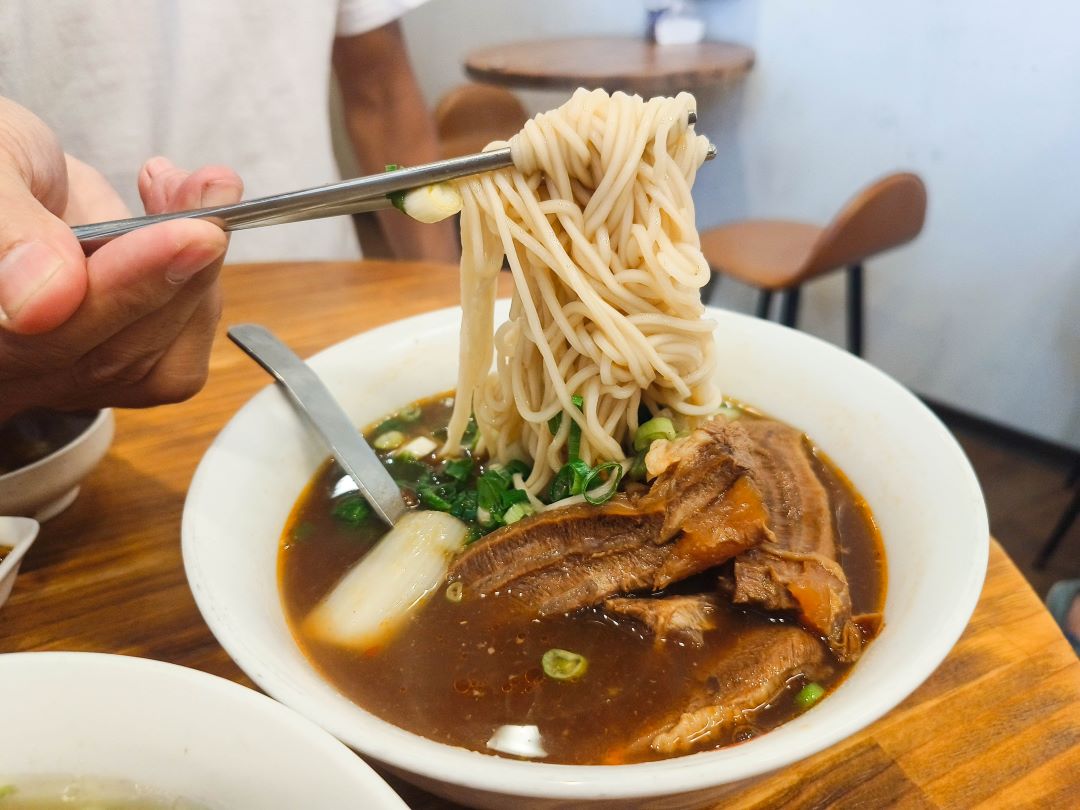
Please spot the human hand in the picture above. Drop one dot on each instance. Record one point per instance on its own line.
(131, 325)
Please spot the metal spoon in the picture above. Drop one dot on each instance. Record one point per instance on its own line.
(314, 401)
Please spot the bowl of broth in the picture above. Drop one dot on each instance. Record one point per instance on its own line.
(511, 681)
(44, 455)
(108, 731)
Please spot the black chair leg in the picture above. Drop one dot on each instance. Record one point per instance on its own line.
(1068, 518)
(855, 309)
(763, 302)
(789, 309)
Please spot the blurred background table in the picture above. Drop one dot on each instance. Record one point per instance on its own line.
(613, 63)
(998, 723)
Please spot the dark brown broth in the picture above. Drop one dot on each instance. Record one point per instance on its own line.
(4, 551)
(32, 435)
(457, 671)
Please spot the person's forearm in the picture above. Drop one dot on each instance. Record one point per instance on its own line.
(388, 122)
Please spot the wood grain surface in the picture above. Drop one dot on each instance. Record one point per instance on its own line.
(613, 63)
(997, 726)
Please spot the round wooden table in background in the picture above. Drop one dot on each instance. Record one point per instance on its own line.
(998, 724)
(613, 63)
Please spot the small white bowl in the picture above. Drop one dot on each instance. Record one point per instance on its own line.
(17, 533)
(174, 732)
(50, 485)
(922, 490)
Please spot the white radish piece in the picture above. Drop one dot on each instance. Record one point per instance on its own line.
(373, 598)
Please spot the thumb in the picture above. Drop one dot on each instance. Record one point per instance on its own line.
(42, 268)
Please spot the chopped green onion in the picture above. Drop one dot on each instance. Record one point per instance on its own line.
(455, 591)
(554, 423)
(573, 441)
(352, 511)
(406, 471)
(391, 440)
(809, 695)
(435, 497)
(599, 489)
(459, 468)
(393, 423)
(475, 533)
(516, 466)
(570, 480)
(464, 506)
(471, 434)
(638, 471)
(398, 197)
(517, 512)
(563, 665)
(410, 414)
(729, 412)
(659, 427)
(511, 497)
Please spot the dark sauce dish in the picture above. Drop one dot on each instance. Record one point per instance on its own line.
(44, 455)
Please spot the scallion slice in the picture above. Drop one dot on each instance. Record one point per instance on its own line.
(809, 695)
(659, 427)
(603, 482)
(563, 665)
(517, 512)
(390, 440)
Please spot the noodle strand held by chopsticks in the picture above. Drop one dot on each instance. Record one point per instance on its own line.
(596, 222)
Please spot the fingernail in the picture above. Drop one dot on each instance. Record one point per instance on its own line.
(218, 194)
(188, 263)
(156, 165)
(24, 270)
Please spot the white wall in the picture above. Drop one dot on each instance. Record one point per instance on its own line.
(980, 98)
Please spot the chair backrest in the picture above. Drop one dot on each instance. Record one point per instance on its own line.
(885, 214)
(471, 116)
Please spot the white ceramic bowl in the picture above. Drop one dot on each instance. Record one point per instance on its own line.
(176, 732)
(18, 534)
(902, 459)
(47, 487)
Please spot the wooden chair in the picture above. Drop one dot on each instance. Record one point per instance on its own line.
(780, 255)
(471, 116)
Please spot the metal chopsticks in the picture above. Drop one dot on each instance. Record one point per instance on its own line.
(348, 197)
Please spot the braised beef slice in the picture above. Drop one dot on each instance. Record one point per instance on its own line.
(744, 677)
(568, 558)
(799, 570)
(694, 470)
(673, 618)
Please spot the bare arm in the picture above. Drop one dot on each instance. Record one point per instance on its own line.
(389, 123)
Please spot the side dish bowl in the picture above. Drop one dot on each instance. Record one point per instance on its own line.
(49, 485)
(17, 534)
(918, 483)
(175, 733)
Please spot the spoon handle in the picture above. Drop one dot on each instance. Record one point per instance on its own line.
(315, 402)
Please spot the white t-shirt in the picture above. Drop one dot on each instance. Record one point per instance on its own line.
(237, 82)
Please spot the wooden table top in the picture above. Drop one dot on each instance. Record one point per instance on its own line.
(613, 63)
(997, 724)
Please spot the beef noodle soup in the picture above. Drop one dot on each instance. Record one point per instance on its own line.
(725, 584)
